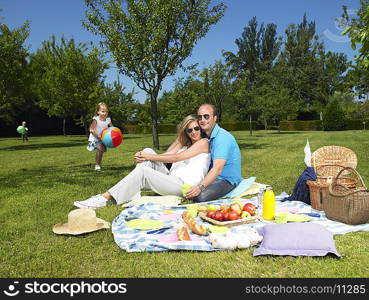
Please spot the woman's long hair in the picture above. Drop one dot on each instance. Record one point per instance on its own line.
(182, 136)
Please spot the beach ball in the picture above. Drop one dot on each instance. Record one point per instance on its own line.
(21, 129)
(112, 137)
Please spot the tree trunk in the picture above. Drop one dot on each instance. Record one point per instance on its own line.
(154, 119)
(250, 125)
(64, 127)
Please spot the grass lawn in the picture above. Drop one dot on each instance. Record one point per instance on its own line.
(42, 178)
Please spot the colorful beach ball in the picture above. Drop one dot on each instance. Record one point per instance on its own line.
(21, 129)
(112, 137)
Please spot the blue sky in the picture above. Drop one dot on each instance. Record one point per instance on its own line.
(63, 18)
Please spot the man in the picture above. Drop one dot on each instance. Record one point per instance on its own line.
(225, 168)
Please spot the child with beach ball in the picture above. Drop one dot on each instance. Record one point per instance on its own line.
(23, 130)
(99, 123)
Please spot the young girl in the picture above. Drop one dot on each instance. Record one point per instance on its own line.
(25, 132)
(98, 124)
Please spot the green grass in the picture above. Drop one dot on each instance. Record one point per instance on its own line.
(41, 179)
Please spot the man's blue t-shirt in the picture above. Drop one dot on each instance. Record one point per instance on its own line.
(223, 145)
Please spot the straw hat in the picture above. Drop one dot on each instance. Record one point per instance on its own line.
(81, 220)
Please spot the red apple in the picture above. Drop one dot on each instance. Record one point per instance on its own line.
(233, 215)
(250, 208)
(218, 216)
(211, 214)
(226, 216)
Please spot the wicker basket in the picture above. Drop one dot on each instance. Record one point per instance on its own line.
(327, 162)
(319, 189)
(349, 206)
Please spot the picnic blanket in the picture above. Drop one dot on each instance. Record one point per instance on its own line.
(133, 240)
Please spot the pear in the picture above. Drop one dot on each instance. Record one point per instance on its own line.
(185, 189)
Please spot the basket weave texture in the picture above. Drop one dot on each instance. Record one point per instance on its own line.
(327, 162)
(349, 206)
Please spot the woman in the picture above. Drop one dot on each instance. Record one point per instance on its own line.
(190, 158)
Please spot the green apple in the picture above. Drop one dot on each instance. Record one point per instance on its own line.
(185, 189)
(245, 214)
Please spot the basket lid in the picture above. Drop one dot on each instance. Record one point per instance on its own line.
(329, 160)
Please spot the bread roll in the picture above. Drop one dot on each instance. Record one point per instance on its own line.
(193, 225)
(182, 234)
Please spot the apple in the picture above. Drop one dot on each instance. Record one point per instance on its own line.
(211, 214)
(236, 207)
(185, 189)
(223, 206)
(226, 216)
(245, 214)
(218, 216)
(250, 208)
(233, 215)
(237, 201)
(224, 209)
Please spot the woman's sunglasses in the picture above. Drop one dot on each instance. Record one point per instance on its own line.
(206, 116)
(189, 130)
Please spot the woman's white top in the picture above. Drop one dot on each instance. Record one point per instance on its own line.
(191, 170)
(100, 126)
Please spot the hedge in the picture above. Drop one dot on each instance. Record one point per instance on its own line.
(357, 124)
(316, 125)
(301, 125)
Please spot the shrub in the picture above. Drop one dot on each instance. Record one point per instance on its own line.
(334, 117)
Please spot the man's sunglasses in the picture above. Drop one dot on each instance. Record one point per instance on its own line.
(206, 116)
(189, 130)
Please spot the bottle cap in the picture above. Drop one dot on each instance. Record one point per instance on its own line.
(268, 188)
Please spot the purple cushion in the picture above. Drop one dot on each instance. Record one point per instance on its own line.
(296, 239)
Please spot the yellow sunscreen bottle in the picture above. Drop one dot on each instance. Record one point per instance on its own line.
(268, 204)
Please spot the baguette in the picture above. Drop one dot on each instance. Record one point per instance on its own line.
(182, 234)
(192, 224)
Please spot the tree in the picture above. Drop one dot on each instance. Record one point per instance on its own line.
(334, 117)
(14, 77)
(216, 85)
(150, 39)
(358, 31)
(122, 106)
(67, 81)
(257, 50)
(186, 97)
(273, 99)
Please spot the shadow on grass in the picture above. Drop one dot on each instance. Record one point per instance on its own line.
(44, 146)
(286, 132)
(252, 146)
(49, 177)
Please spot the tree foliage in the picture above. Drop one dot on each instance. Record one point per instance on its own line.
(14, 76)
(358, 31)
(258, 48)
(150, 39)
(67, 80)
(334, 117)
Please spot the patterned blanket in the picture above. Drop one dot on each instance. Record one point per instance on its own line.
(133, 240)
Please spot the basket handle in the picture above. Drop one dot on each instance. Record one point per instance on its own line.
(352, 170)
(322, 166)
